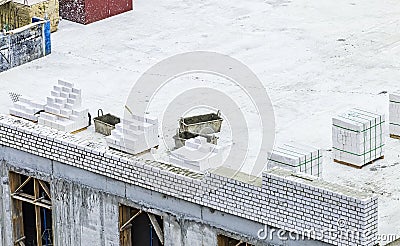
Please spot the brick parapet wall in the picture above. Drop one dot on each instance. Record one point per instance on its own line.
(282, 200)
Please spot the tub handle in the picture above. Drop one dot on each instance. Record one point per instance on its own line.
(98, 112)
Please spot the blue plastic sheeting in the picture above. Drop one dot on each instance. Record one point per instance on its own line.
(47, 35)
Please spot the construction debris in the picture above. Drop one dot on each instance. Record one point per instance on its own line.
(358, 137)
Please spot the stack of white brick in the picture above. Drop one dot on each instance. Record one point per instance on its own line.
(298, 158)
(27, 109)
(63, 110)
(358, 137)
(197, 154)
(134, 134)
(394, 114)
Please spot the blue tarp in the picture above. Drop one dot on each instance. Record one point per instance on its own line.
(47, 34)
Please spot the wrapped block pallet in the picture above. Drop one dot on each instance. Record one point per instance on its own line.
(394, 114)
(298, 158)
(358, 137)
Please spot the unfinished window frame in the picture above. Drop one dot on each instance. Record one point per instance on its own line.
(127, 215)
(224, 240)
(18, 197)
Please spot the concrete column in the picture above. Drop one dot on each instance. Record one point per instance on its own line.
(83, 215)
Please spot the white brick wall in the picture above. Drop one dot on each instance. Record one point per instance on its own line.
(280, 199)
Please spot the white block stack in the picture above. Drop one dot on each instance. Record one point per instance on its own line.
(27, 109)
(63, 110)
(358, 137)
(394, 114)
(198, 155)
(134, 135)
(298, 158)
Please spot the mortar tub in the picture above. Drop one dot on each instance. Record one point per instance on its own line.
(104, 124)
(201, 124)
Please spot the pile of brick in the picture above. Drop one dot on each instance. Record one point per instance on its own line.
(394, 114)
(297, 158)
(197, 154)
(63, 110)
(27, 109)
(134, 134)
(358, 137)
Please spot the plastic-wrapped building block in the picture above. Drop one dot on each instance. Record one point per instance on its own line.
(298, 158)
(358, 137)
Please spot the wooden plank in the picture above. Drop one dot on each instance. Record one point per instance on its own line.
(394, 136)
(16, 209)
(37, 203)
(125, 235)
(156, 227)
(20, 239)
(22, 186)
(27, 196)
(80, 130)
(38, 217)
(355, 166)
(123, 227)
(222, 240)
(45, 188)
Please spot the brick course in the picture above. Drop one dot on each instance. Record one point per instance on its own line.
(282, 199)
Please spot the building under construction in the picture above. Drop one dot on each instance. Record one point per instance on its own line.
(73, 176)
(60, 186)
